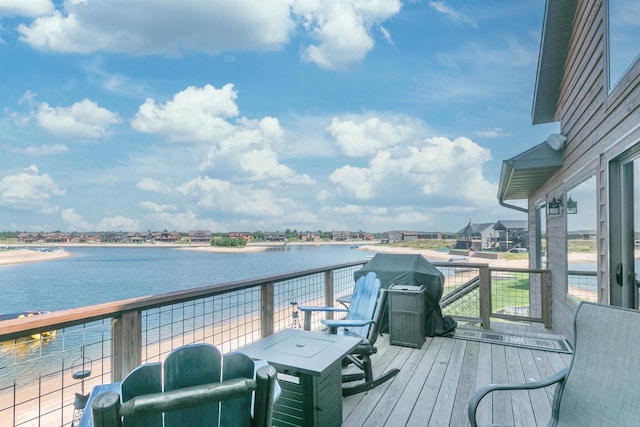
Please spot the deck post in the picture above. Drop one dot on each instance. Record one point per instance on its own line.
(485, 296)
(126, 344)
(328, 291)
(545, 297)
(266, 309)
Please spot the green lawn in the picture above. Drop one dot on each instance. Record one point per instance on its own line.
(511, 292)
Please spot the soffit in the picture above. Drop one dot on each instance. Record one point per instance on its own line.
(554, 48)
(525, 173)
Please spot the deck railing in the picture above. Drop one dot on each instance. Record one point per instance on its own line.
(36, 372)
(582, 285)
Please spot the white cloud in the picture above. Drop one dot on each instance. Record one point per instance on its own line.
(74, 221)
(438, 167)
(492, 133)
(357, 182)
(366, 136)
(224, 196)
(84, 119)
(164, 28)
(29, 190)
(342, 29)
(118, 223)
(43, 150)
(323, 195)
(194, 114)
(31, 8)
(153, 185)
(456, 16)
(242, 150)
(155, 207)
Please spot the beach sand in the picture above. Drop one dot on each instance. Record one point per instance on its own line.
(17, 256)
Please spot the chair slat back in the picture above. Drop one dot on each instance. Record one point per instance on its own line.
(236, 412)
(603, 383)
(188, 366)
(144, 379)
(363, 302)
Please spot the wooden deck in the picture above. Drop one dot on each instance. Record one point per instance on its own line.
(436, 382)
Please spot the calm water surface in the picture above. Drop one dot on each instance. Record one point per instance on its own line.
(96, 275)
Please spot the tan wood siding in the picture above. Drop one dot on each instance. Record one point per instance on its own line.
(599, 125)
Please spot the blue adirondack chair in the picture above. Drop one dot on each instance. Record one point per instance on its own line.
(196, 386)
(362, 319)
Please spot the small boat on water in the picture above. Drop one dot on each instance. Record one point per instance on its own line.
(24, 314)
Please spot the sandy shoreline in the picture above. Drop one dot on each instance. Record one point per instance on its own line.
(21, 255)
(18, 256)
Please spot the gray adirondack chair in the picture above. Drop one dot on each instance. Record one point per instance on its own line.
(601, 387)
(196, 386)
(363, 320)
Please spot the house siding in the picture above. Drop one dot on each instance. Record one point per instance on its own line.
(599, 127)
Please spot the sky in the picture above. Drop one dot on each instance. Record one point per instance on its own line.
(250, 115)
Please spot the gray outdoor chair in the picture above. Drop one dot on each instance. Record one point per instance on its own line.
(601, 387)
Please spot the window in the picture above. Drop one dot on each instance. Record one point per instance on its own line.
(624, 33)
(582, 239)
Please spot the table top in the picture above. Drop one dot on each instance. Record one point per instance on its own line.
(307, 352)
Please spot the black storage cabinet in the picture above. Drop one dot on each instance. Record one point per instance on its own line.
(407, 315)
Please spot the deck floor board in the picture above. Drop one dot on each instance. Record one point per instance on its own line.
(436, 382)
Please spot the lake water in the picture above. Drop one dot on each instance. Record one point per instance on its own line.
(96, 275)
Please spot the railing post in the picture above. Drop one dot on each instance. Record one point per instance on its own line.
(126, 344)
(485, 296)
(328, 291)
(545, 298)
(266, 309)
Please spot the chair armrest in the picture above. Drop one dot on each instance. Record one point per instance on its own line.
(333, 325)
(329, 309)
(307, 310)
(483, 391)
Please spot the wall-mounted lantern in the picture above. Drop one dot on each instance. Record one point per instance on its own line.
(572, 206)
(555, 206)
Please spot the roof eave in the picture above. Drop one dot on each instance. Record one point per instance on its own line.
(554, 49)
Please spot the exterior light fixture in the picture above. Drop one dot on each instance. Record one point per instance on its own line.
(556, 141)
(572, 206)
(555, 206)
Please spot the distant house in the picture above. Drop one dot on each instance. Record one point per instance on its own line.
(57, 237)
(274, 236)
(401, 235)
(582, 235)
(167, 237)
(245, 235)
(476, 236)
(340, 236)
(112, 237)
(139, 237)
(394, 236)
(366, 236)
(200, 236)
(421, 235)
(30, 237)
(511, 234)
(308, 237)
(82, 237)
